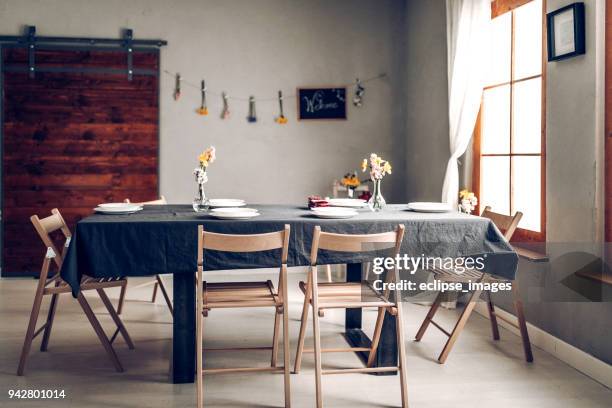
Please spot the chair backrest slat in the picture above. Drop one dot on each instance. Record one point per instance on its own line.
(353, 243)
(245, 243)
(46, 226)
(507, 224)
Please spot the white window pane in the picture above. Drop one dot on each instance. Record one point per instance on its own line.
(495, 183)
(498, 70)
(495, 137)
(528, 40)
(526, 190)
(527, 116)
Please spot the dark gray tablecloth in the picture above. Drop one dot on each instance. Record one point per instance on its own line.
(163, 239)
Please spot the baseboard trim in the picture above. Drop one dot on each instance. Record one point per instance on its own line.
(591, 366)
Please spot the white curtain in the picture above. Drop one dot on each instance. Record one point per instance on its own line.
(467, 28)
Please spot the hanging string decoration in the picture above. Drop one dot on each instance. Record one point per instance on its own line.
(252, 118)
(281, 119)
(177, 87)
(225, 112)
(359, 91)
(203, 109)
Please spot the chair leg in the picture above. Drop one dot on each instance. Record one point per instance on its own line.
(165, 293)
(116, 318)
(317, 337)
(286, 361)
(401, 348)
(432, 311)
(329, 273)
(99, 331)
(50, 317)
(376, 336)
(121, 298)
(492, 317)
(27, 342)
(459, 326)
(154, 291)
(520, 315)
(275, 338)
(303, 325)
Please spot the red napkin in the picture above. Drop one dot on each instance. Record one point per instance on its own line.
(317, 201)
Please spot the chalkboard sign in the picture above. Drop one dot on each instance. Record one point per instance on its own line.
(321, 103)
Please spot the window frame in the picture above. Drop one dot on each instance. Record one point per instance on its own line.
(499, 7)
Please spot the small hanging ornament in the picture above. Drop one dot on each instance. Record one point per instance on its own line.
(281, 119)
(359, 91)
(252, 118)
(177, 87)
(203, 109)
(225, 113)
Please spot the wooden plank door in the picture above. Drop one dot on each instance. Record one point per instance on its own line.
(73, 139)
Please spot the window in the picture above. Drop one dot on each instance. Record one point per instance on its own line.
(509, 143)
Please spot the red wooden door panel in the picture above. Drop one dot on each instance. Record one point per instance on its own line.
(72, 140)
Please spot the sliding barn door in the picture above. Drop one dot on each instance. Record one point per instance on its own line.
(77, 134)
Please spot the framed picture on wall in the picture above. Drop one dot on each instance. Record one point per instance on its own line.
(565, 32)
(321, 103)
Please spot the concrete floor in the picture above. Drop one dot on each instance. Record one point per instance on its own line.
(478, 373)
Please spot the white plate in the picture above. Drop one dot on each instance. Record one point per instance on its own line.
(333, 212)
(246, 215)
(119, 206)
(232, 210)
(226, 202)
(347, 202)
(429, 207)
(117, 211)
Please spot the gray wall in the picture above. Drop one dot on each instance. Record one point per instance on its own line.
(426, 93)
(255, 47)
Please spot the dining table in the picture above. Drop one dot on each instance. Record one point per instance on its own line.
(162, 239)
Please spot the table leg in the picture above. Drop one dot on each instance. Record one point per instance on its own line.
(183, 329)
(386, 355)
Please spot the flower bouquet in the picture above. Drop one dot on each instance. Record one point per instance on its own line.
(379, 168)
(207, 157)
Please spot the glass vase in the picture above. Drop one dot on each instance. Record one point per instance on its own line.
(377, 201)
(200, 202)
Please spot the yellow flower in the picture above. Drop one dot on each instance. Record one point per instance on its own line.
(364, 164)
(207, 156)
(281, 120)
(202, 111)
(387, 168)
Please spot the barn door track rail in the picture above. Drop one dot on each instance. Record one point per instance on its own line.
(32, 42)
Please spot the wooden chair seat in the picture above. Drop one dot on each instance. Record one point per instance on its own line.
(54, 286)
(507, 225)
(86, 284)
(341, 295)
(240, 294)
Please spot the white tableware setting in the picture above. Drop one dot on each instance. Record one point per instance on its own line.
(118, 208)
(429, 207)
(234, 213)
(347, 202)
(226, 202)
(333, 212)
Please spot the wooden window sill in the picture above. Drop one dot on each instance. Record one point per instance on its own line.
(530, 255)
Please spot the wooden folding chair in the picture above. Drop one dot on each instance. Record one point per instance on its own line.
(507, 225)
(212, 296)
(55, 286)
(344, 295)
(158, 282)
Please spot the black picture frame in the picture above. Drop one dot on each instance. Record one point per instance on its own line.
(322, 103)
(577, 11)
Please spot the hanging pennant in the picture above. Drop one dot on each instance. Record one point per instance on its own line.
(225, 113)
(203, 109)
(177, 87)
(359, 91)
(252, 118)
(281, 119)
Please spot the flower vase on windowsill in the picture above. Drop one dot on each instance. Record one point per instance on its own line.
(379, 168)
(200, 202)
